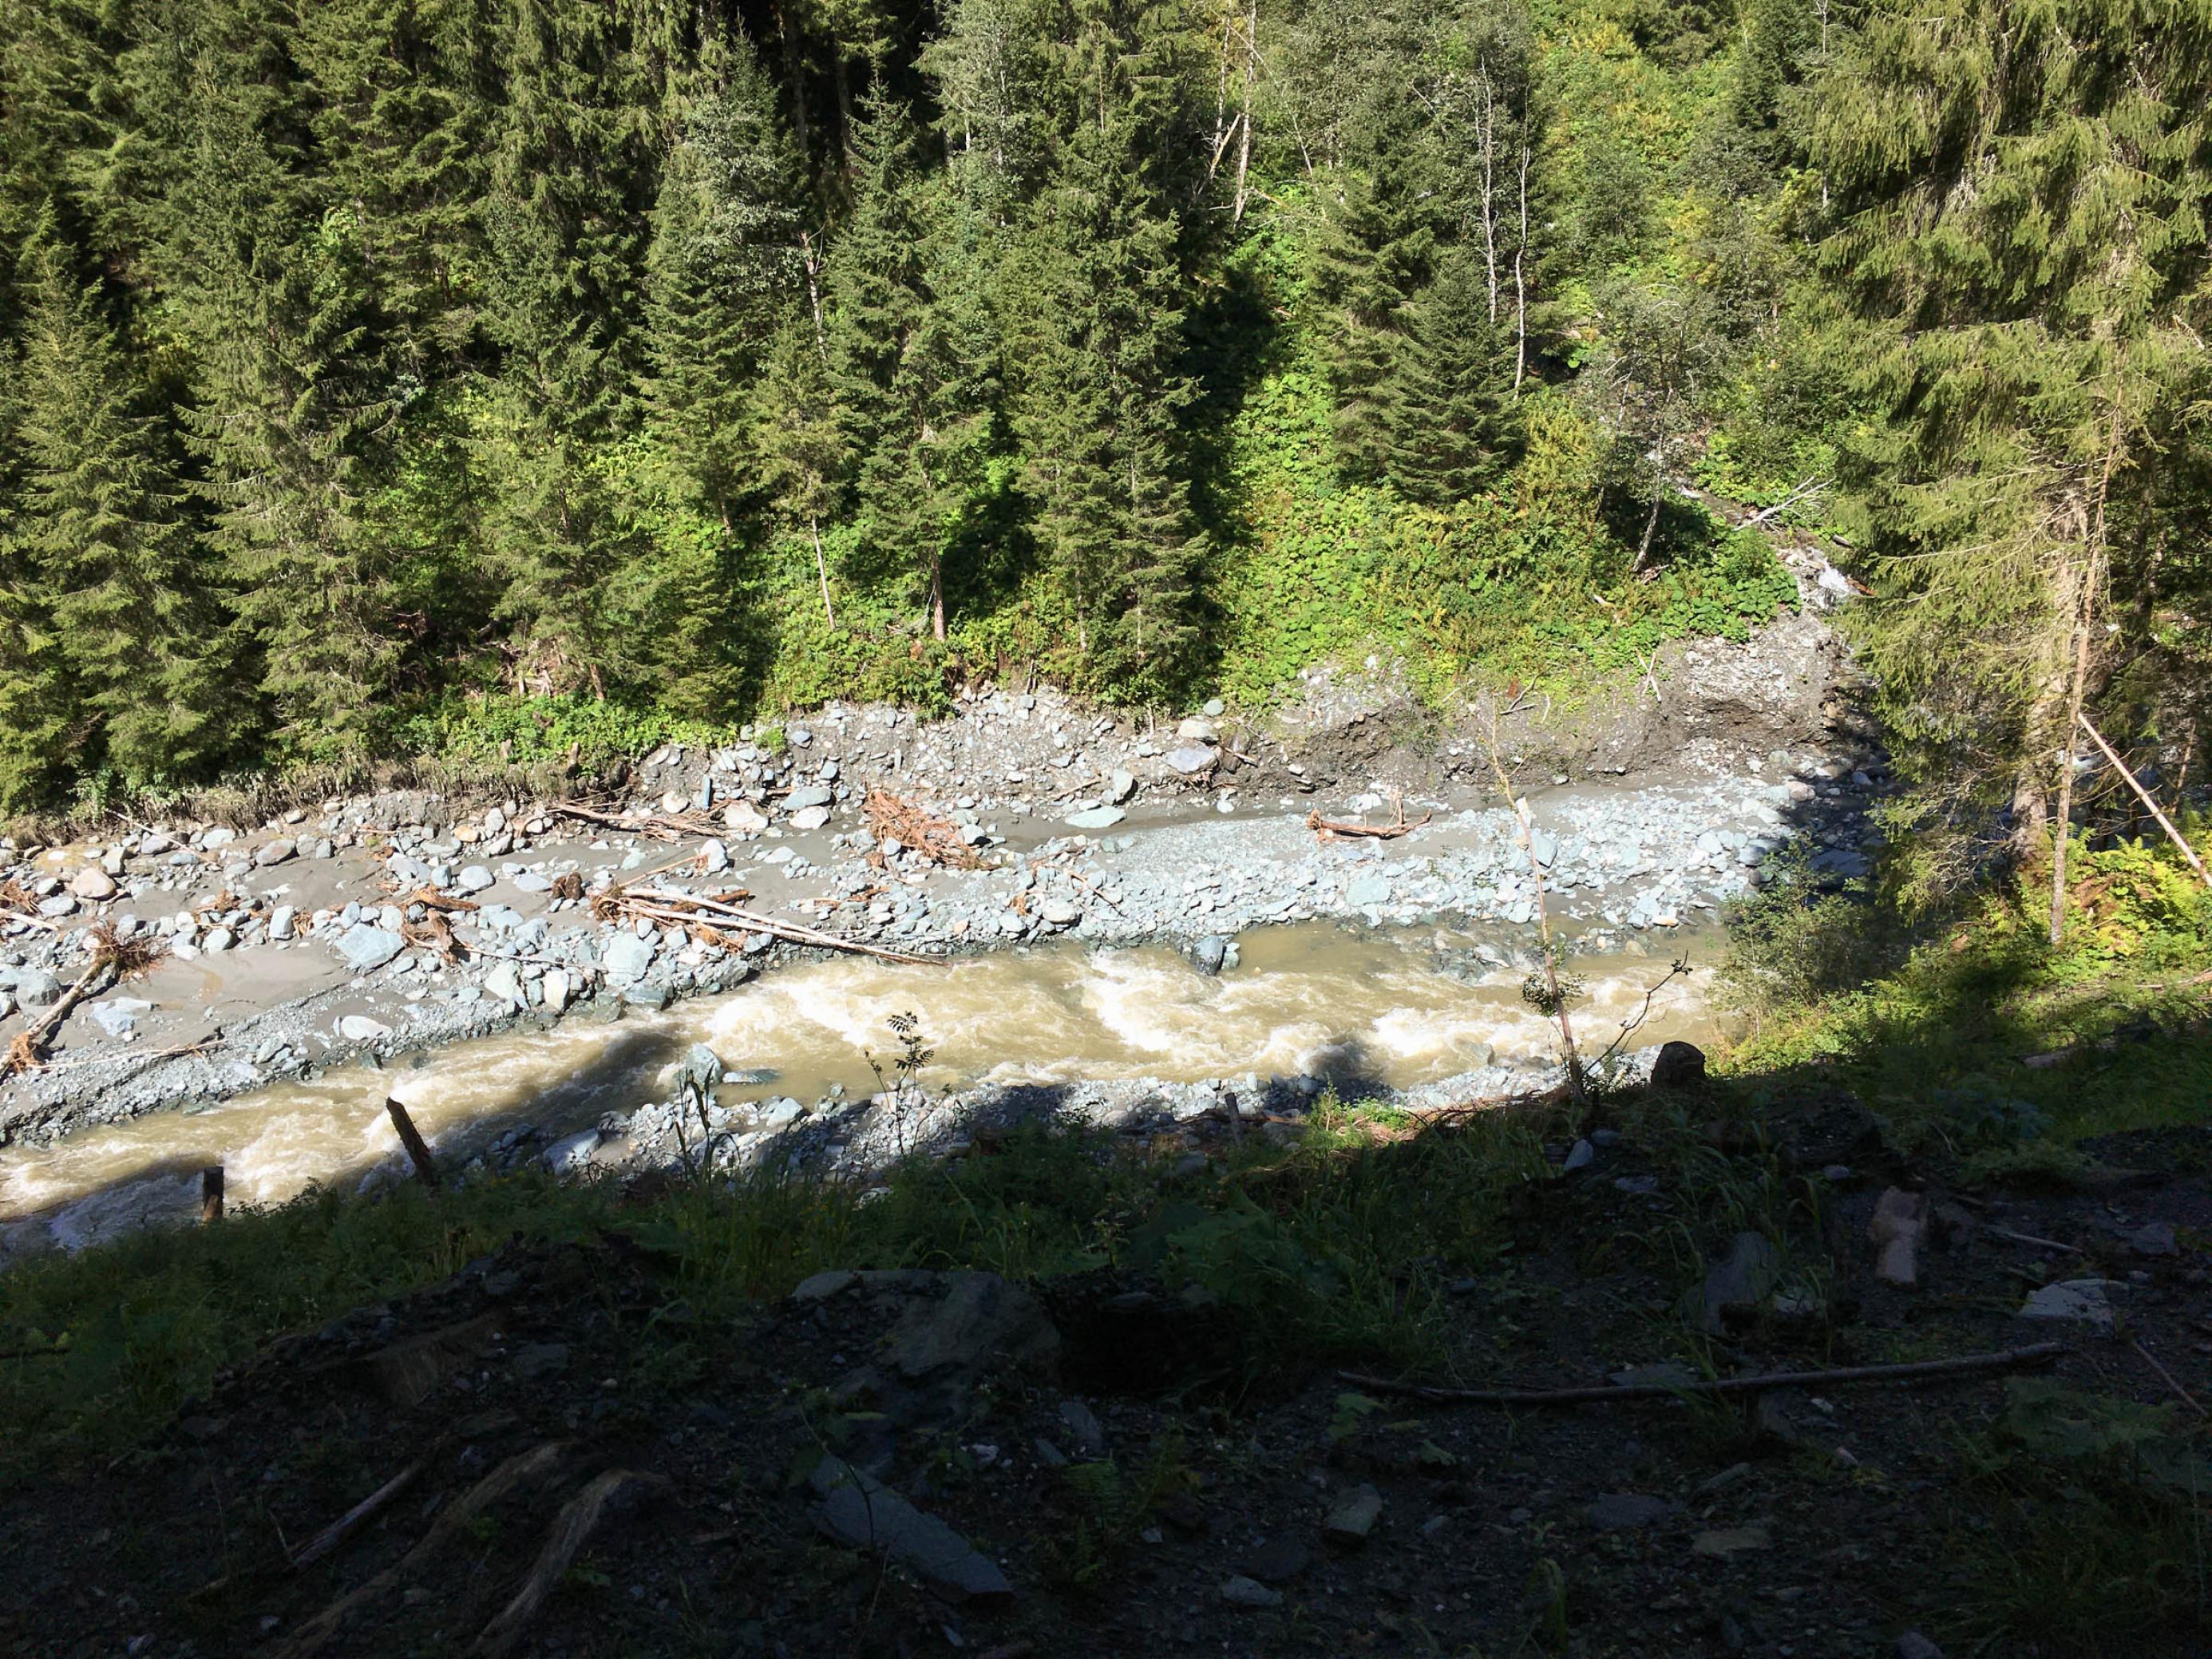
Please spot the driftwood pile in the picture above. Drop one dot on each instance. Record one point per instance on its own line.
(891, 817)
(1344, 830)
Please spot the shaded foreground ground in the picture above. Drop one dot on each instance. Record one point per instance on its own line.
(616, 1426)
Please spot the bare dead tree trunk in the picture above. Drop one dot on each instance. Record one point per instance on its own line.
(1244, 136)
(813, 268)
(1521, 274)
(1489, 141)
(1555, 994)
(821, 569)
(2062, 820)
(2085, 612)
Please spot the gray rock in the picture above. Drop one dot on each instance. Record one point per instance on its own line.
(1354, 1516)
(1580, 1156)
(1242, 1592)
(1190, 759)
(93, 882)
(60, 905)
(554, 987)
(1121, 786)
(118, 1015)
(1544, 846)
(982, 1319)
(654, 997)
(1060, 913)
(1368, 891)
(1211, 954)
(812, 795)
(360, 1028)
(572, 1154)
(36, 989)
(811, 817)
(505, 982)
(283, 922)
(626, 956)
(274, 853)
(530, 882)
(541, 1360)
(860, 1512)
(713, 857)
(475, 878)
(1680, 1065)
(1097, 817)
(781, 1113)
(367, 948)
(702, 1069)
(1743, 1280)
(2154, 1238)
(1913, 1645)
(1628, 1511)
(823, 1285)
(1083, 1423)
(1278, 1561)
(218, 940)
(2073, 1301)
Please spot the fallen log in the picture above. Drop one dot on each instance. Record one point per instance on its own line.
(690, 910)
(579, 1518)
(660, 826)
(337, 1533)
(1961, 1364)
(113, 957)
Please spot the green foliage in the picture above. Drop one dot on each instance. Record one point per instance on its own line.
(1928, 1017)
(530, 731)
(1110, 1506)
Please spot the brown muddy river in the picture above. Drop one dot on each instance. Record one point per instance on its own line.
(1402, 1008)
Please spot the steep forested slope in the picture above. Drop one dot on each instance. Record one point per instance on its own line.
(392, 374)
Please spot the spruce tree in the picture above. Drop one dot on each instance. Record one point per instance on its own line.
(724, 272)
(103, 527)
(912, 349)
(293, 397)
(35, 698)
(568, 192)
(1451, 425)
(1101, 354)
(1367, 261)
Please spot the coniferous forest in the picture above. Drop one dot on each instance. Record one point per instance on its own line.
(394, 376)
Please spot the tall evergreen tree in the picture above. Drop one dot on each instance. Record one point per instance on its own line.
(103, 528)
(293, 394)
(1103, 383)
(725, 271)
(570, 189)
(1451, 423)
(912, 348)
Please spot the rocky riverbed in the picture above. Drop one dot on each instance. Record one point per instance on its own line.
(315, 938)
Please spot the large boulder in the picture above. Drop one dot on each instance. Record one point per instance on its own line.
(1680, 1065)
